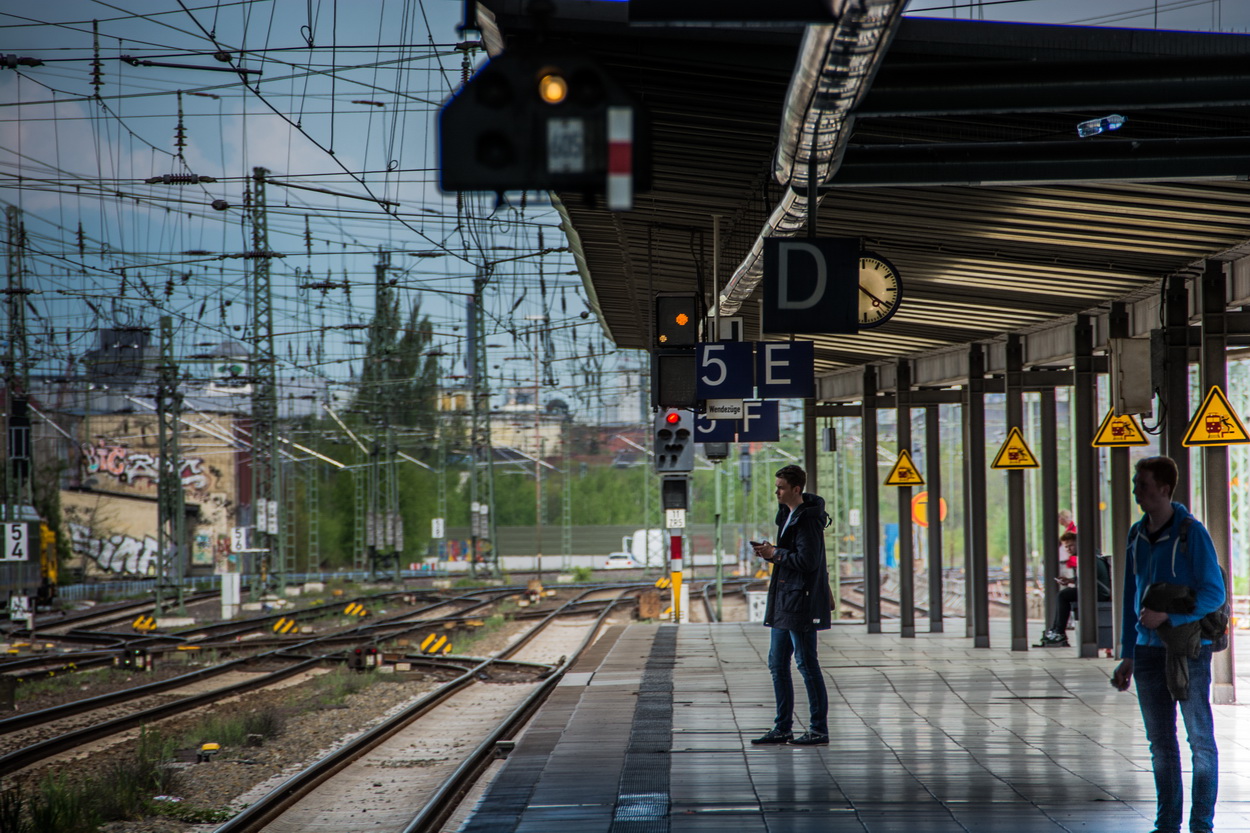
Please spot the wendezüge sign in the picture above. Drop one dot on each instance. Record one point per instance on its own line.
(811, 285)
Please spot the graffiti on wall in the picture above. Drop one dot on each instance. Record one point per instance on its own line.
(116, 553)
(134, 467)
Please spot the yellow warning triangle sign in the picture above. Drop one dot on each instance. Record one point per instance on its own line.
(904, 472)
(1118, 430)
(1216, 423)
(1015, 453)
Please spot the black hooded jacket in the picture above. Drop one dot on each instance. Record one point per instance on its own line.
(799, 598)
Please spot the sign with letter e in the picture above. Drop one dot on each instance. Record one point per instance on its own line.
(785, 369)
(811, 285)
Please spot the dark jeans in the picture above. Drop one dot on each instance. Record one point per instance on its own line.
(1158, 711)
(802, 646)
(1064, 602)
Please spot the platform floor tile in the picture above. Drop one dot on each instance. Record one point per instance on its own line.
(928, 735)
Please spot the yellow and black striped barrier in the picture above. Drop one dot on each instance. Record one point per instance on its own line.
(355, 609)
(145, 623)
(436, 644)
(663, 583)
(285, 625)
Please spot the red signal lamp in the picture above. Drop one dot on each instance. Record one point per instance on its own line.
(672, 418)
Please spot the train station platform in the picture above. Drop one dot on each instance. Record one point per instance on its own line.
(651, 731)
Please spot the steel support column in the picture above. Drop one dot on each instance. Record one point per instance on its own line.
(1121, 498)
(933, 474)
(1216, 515)
(1084, 395)
(1050, 500)
(810, 446)
(1175, 388)
(872, 520)
(1016, 532)
(906, 554)
(976, 596)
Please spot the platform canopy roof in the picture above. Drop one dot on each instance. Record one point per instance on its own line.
(957, 158)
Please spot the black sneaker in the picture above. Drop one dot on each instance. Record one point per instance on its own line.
(773, 736)
(1054, 639)
(810, 739)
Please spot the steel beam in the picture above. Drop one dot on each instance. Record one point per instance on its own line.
(906, 554)
(1121, 497)
(872, 520)
(1174, 388)
(1016, 531)
(1215, 460)
(1086, 475)
(1060, 87)
(933, 475)
(810, 448)
(972, 163)
(976, 597)
(1050, 500)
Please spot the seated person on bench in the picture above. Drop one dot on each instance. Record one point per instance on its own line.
(1056, 636)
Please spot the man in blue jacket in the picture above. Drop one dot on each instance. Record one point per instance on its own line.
(799, 605)
(1168, 545)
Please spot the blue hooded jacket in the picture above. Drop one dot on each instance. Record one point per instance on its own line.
(1163, 560)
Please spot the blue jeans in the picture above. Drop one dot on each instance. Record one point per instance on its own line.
(802, 646)
(1158, 711)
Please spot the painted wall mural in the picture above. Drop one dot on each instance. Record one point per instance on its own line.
(116, 553)
(139, 467)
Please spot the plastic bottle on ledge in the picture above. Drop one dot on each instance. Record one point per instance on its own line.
(1095, 126)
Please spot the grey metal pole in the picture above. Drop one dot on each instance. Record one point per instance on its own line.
(1121, 498)
(810, 448)
(1050, 500)
(906, 556)
(1016, 531)
(1215, 458)
(933, 475)
(872, 526)
(1086, 476)
(978, 602)
(1176, 398)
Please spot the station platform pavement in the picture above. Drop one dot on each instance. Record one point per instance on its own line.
(651, 731)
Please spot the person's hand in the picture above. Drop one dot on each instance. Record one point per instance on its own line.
(1152, 618)
(1064, 581)
(1122, 675)
(764, 550)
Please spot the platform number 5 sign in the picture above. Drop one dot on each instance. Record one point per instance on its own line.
(16, 543)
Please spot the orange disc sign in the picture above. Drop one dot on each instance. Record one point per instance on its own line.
(920, 509)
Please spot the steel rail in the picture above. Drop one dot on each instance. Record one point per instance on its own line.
(28, 755)
(258, 815)
(452, 791)
(113, 698)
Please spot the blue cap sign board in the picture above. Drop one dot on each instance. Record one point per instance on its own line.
(811, 285)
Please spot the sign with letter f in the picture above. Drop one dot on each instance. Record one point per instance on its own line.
(811, 285)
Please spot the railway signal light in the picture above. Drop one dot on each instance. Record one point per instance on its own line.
(676, 319)
(543, 118)
(674, 440)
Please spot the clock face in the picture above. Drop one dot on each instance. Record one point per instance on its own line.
(880, 290)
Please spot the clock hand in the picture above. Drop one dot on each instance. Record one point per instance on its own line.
(874, 298)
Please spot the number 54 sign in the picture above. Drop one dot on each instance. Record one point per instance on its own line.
(16, 542)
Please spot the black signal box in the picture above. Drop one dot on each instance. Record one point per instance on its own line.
(676, 320)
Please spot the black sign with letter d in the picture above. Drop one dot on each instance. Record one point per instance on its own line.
(811, 285)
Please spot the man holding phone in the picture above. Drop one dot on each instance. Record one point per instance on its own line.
(799, 605)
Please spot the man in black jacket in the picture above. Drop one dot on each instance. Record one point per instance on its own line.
(799, 605)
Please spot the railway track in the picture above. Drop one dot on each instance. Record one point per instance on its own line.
(28, 739)
(376, 773)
